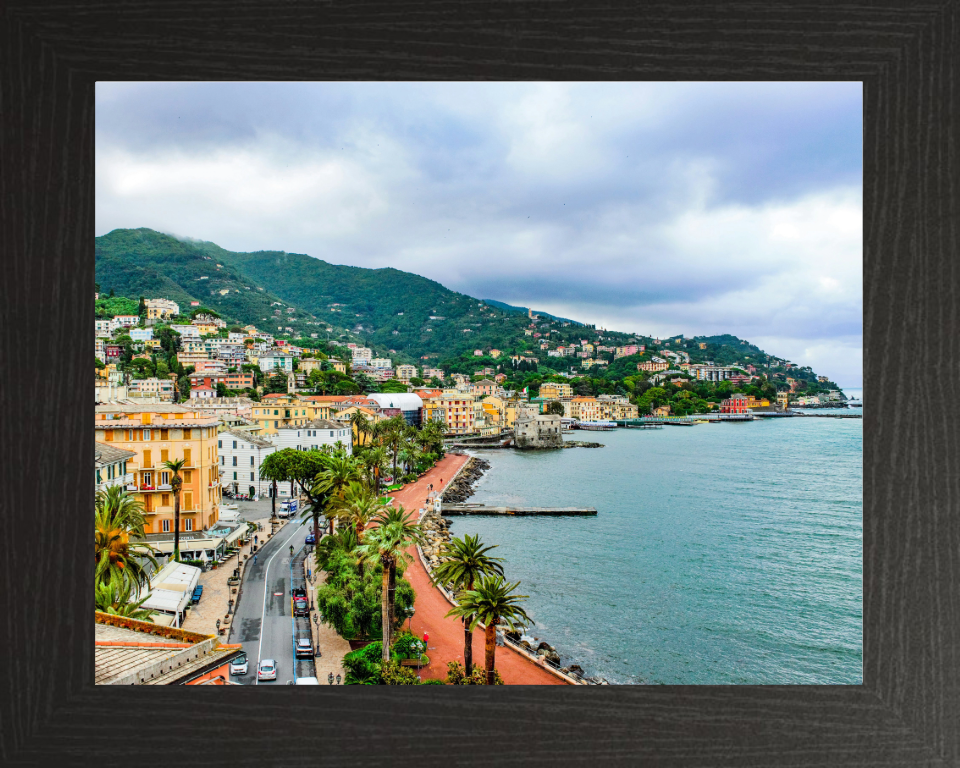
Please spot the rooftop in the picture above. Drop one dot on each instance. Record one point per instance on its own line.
(107, 454)
(259, 442)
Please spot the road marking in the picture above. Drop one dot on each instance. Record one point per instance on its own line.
(263, 612)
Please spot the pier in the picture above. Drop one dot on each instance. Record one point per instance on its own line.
(482, 509)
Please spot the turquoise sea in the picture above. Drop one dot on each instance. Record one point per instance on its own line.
(721, 554)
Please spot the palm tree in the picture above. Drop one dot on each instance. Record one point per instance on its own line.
(393, 438)
(361, 424)
(116, 599)
(397, 516)
(118, 562)
(339, 472)
(344, 540)
(374, 461)
(492, 603)
(175, 484)
(387, 544)
(358, 506)
(463, 562)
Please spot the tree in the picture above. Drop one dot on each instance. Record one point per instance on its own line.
(554, 407)
(142, 309)
(176, 482)
(183, 389)
(118, 516)
(387, 544)
(99, 363)
(112, 294)
(222, 390)
(393, 436)
(362, 426)
(492, 602)
(338, 472)
(463, 562)
(278, 467)
(116, 599)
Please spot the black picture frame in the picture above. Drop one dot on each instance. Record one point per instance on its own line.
(906, 54)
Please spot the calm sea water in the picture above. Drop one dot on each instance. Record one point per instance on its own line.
(721, 554)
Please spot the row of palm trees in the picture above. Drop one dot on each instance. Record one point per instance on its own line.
(482, 595)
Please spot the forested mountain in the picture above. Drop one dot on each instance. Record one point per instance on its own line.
(401, 315)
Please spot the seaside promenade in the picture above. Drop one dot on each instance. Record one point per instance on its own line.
(446, 634)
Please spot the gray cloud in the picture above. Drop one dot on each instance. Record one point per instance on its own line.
(701, 207)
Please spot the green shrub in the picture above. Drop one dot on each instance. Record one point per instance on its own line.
(432, 681)
(393, 674)
(456, 675)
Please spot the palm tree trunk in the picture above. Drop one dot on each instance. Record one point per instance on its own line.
(176, 525)
(393, 593)
(468, 639)
(385, 611)
(490, 636)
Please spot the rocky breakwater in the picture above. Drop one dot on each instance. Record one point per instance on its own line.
(461, 488)
(581, 444)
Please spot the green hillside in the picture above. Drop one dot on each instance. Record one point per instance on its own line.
(401, 315)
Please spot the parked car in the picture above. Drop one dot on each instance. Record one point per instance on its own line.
(299, 592)
(267, 670)
(307, 681)
(304, 649)
(311, 539)
(301, 607)
(239, 665)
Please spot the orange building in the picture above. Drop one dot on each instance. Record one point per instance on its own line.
(158, 432)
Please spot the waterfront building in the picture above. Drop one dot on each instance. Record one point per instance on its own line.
(409, 404)
(157, 433)
(736, 404)
(783, 399)
(241, 456)
(585, 409)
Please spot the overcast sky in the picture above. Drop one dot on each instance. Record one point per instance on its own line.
(658, 208)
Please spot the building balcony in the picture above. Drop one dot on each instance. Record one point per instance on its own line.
(164, 487)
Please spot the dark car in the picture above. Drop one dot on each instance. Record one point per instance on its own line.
(301, 607)
(299, 592)
(311, 539)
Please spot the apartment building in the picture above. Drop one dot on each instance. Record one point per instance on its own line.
(124, 321)
(555, 391)
(272, 361)
(380, 362)
(187, 331)
(314, 433)
(458, 411)
(585, 409)
(362, 354)
(141, 334)
(276, 411)
(103, 328)
(406, 372)
(241, 456)
(157, 433)
(653, 365)
(483, 388)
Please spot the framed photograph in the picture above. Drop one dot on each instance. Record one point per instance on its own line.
(718, 566)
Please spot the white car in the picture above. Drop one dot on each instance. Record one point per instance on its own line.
(239, 665)
(267, 670)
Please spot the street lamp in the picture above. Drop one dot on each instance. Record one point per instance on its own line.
(330, 678)
(410, 611)
(338, 679)
(218, 626)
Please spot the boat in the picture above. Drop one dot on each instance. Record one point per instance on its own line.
(597, 426)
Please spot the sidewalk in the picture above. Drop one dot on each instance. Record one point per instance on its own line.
(446, 634)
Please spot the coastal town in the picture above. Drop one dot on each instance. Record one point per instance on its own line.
(224, 451)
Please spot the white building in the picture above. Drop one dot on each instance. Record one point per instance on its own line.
(152, 387)
(100, 349)
(241, 456)
(313, 434)
(237, 338)
(202, 393)
(273, 360)
(161, 308)
(141, 334)
(124, 321)
(104, 327)
(380, 362)
(363, 353)
(406, 372)
(111, 464)
(187, 330)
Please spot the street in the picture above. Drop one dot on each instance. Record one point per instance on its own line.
(264, 621)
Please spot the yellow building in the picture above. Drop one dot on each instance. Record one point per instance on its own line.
(206, 328)
(278, 410)
(159, 432)
(783, 399)
(555, 390)
(458, 411)
(585, 409)
(338, 365)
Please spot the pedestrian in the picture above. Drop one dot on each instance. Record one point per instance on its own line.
(254, 559)
(426, 638)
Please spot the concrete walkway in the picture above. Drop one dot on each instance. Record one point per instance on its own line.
(446, 636)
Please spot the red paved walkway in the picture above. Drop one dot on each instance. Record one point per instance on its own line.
(446, 634)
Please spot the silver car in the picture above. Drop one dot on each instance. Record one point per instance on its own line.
(267, 670)
(239, 665)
